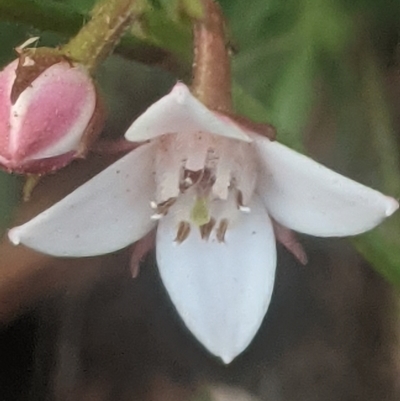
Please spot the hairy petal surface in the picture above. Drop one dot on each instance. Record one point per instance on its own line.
(221, 290)
(109, 212)
(52, 114)
(7, 77)
(180, 112)
(307, 197)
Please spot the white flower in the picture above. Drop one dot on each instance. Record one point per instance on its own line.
(210, 185)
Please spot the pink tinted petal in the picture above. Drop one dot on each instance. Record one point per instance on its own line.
(288, 239)
(51, 115)
(7, 77)
(109, 212)
(180, 112)
(140, 249)
(308, 197)
(42, 166)
(221, 290)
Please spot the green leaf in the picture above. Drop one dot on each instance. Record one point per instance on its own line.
(165, 33)
(293, 99)
(8, 196)
(381, 248)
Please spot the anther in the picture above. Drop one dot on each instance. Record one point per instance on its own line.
(205, 229)
(239, 203)
(163, 207)
(221, 230)
(188, 182)
(183, 232)
(190, 178)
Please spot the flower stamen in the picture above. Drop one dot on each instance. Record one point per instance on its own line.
(221, 230)
(239, 203)
(190, 178)
(183, 232)
(205, 229)
(163, 207)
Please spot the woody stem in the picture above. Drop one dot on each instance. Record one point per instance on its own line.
(211, 65)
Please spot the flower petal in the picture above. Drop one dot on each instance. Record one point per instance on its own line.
(7, 77)
(180, 112)
(221, 290)
(308, 197)
(288, 239)
(51, 115)
(109, 212)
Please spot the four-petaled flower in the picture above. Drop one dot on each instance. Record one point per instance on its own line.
(211, 186)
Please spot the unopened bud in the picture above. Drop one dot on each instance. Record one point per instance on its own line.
(49, 112)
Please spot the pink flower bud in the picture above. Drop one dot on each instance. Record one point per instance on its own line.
(49, 111)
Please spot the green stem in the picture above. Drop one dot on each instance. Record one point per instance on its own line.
(58, 18)
(99, 36)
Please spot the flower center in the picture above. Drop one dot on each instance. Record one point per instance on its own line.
(205, 180)
(199, 214)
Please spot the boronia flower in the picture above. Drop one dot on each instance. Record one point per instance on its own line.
(49, 112)
(211, 186)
